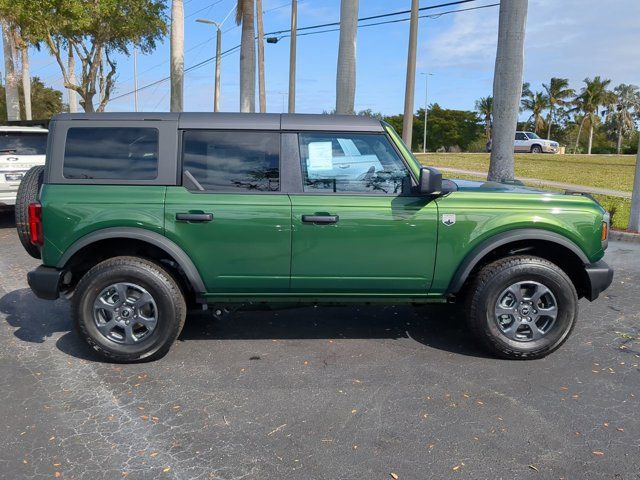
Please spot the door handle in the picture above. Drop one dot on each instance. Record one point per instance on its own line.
(322, 219)
(194, 217)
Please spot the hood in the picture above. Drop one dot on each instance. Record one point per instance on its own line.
(474, 186)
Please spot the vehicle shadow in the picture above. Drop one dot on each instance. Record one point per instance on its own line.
(7, 217)
(438, 326)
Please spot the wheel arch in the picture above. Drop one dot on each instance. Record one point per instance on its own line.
(139, 237)
(545, 244)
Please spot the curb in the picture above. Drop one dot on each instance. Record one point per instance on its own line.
(622, 236)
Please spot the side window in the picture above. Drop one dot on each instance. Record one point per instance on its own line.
(231, 161)
(23, 143)
(350, 163)
(111, 153)
(521, 136)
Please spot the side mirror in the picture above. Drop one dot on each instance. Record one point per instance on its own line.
(430, 181)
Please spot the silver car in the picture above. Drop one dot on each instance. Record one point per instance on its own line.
(530, 142)
(20, 149)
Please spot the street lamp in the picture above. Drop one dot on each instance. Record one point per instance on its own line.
(426, 106)
(216, 88)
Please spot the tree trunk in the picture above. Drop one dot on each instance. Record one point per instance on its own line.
(177, 56)
(590, 137)
(261, 84)
(11, 78)
(26, 80)
(71, 71)
(409, 90)
(293, 56)
(575, 149)
(549, 122)
(507, 87)
(619, 146)
(248, 59)
(634, 220)
(346, 73)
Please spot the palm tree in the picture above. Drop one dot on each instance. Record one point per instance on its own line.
(177, 56)
(536, 103)
(11, 77)
(592, 96)
(558, 93)
(507, 87)
(484, 106)
(245, 17)
(346, 74)
(620, 112)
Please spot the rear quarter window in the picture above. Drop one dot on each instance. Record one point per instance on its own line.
(111, 153)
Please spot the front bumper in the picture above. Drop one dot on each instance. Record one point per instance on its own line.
(600, 276)
(550, 149)
(45, 282)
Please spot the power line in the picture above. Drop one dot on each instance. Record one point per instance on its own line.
(233, 49)
(373, 17)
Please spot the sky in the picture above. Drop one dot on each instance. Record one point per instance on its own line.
(574, 39)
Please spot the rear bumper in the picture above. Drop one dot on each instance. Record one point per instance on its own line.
(600, 277)
(45, 282)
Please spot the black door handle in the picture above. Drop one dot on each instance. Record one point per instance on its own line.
(320, 218)
(194, 217)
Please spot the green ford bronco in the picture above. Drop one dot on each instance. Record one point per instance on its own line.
(138, 217)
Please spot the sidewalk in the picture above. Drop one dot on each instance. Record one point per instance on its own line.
(548, 183)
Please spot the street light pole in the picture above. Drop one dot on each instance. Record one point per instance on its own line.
(135, 79)
(292, 57)
(426, 107)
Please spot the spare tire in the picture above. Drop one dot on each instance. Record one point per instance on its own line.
(28, 192)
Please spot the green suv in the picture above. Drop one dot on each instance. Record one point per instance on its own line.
(140, 217)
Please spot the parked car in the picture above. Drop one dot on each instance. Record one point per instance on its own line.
(20, 149)
(530, 142)
(142, 216)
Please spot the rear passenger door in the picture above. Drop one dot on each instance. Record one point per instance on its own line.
(521, 142)
(357, 229)
(229, 214)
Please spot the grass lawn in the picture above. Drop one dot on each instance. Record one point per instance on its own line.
(606, 171)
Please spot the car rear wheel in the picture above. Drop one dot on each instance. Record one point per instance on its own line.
(129, 309)
(536, 149)
(28, 192)
(522, 307)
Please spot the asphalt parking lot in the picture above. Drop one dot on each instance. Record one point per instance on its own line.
(319, 393)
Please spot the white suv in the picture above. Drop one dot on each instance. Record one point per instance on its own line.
(20, 149)
(530, 142)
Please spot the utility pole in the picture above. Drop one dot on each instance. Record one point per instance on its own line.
(407, 121)
(261, 85)
(177, 56)
(135, 79)
(426, 107)
(216, 86)
(292, 57)
(634, 220)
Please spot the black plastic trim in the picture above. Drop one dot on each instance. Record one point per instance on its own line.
(45, 282)
(148, 236)
(600, 277)
(478, 253)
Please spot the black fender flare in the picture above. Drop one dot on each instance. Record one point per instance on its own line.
(490, 244)
(153, 238)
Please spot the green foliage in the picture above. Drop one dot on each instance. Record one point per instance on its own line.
(45, 101)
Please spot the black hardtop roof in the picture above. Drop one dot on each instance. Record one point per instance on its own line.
(240, 121)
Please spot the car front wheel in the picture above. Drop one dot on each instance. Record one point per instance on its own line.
(129, 309)
(522, 307)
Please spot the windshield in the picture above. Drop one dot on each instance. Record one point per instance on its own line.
(23, 143)
(532, 135)
(413, 162)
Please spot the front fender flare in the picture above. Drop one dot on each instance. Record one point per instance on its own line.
(490, 244)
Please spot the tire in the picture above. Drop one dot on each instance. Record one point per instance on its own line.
(104, 329)
(512, 335)
(28, 192)
(536, 149)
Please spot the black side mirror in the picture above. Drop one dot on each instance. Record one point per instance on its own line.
(430, 181)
